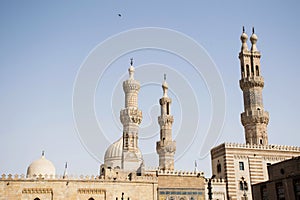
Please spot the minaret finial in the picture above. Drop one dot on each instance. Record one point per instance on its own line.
(165, 86)
(253, 40)
(43, 153)
(131, 69)
(131, 61)
(244, 38)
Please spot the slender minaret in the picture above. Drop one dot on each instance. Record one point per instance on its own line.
(166, 147)
(254, 118)
(131, 118)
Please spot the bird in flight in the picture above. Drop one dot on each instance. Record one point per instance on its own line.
(120, 15)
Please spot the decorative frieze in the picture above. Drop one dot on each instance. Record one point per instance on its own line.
(37, 190)
(91, 191)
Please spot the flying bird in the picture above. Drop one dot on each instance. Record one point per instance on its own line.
(120, 15)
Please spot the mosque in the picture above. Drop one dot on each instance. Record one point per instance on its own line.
(123, 175)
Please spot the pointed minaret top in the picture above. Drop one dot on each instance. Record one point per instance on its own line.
(131, 61)
(43, 153)
(65, 171)
(131, 70)
(244, 38)
(165, 86)
(253, 40)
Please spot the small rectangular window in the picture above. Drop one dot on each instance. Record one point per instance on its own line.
(241, 165)
(264, 192)
(280, 191)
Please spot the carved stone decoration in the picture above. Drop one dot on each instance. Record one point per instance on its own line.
(37, 190)
(91, 191)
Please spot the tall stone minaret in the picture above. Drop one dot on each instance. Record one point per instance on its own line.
(254, 118)
(166, 147)
(131, 118)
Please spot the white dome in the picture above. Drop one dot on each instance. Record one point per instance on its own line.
(113, 154)
(42, 167)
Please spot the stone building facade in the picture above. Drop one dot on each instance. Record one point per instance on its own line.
(242, 165)
(283, 183)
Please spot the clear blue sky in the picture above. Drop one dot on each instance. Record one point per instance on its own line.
(43, 45)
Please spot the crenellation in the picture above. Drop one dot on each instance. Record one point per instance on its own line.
(259, 146)
(180, 173)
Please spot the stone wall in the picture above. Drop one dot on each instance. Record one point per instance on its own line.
(76, 188)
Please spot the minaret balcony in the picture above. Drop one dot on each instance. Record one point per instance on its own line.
(251, 82)
(131, 115)
(165, 146)
(254, 116)
(165, 120)
(131, 85)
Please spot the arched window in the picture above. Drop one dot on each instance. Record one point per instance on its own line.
(91, 198)
(247, 69)
(168, 108)
(37, 199)
(257, 70)
(241, 185)
(103, 171)
(243, 70)
(219, 168)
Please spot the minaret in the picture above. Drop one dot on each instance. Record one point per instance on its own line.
(131, 118)
(166, 147)
(254, 118)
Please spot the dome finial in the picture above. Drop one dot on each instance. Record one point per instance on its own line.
(243, 29)
(131, 69)
(253, 30)
(43, 153)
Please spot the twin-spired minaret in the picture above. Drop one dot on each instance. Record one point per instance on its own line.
(131, 117)
(166, 147)
(254, 118)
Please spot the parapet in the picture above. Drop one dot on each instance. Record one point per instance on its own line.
(257, 147)
(180, 173)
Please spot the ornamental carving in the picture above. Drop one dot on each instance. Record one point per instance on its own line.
(36, 190)
(131, 85)
(251, 82)
(91, 191)
(131, 115)
(257, 117)
(166, 147)
(165, 120)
